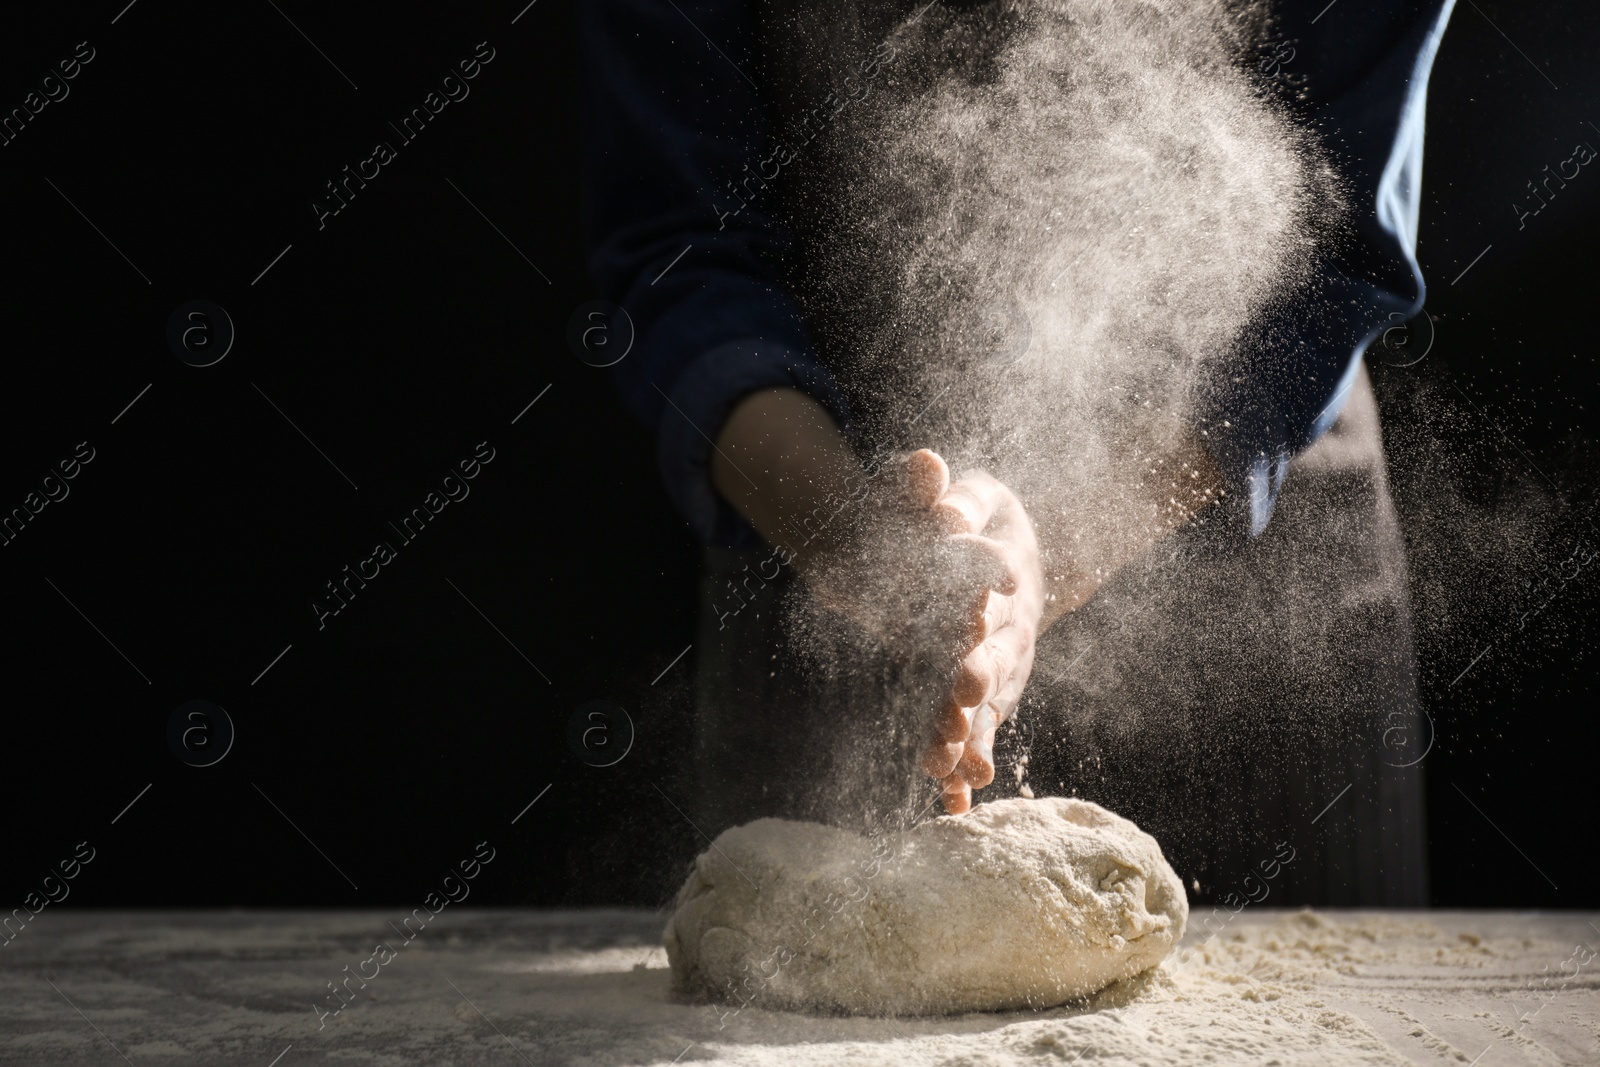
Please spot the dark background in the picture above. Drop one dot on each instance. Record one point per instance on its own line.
(380, 749)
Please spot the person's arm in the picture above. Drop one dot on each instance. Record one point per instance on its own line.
(780, 461)
(669, 126)
(1359, 76)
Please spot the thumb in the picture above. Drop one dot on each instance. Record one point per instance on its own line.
(927, 477)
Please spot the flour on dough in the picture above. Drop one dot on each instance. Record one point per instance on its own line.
(1017, 904)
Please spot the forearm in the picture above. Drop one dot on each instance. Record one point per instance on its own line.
(696, 268)
(782, 462)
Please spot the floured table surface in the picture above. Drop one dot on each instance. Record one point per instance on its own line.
(551, 988)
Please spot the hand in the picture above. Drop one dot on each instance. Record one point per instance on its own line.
(952, 569)
(997, 656)
(961, 563)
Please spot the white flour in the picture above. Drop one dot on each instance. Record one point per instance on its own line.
(1047, 230)
(1019, 904)
(1290, 989)
(589, 989)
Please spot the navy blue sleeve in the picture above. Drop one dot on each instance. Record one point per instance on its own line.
(1365, 68)
(672, 121)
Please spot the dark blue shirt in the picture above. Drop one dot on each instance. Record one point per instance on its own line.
(672, 114)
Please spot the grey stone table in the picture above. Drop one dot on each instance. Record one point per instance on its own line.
(552, 988)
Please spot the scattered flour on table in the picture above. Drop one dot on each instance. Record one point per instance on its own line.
(590, 989)
(1018, 904)
(1287, 992)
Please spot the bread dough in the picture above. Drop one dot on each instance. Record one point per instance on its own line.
(1017, 904)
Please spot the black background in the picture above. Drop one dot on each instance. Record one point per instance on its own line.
(408, 330)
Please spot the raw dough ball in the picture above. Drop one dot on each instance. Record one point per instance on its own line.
(1017, 904)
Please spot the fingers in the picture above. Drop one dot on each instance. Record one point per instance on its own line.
(957, 795)
(999, 611)
(990, 554)
(986, 668)
(940, 758)
(963, 767)
(991, 612)
(1006, 544)
(985, 694)
(969, 504)
(976, 768)
(980, 515)
(1005, 701)
(927, 477)
(976, 678)
(995, 564)
(951, 728)
(975, 627)
(976, 765)
(1018, 642)
(952, 724)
